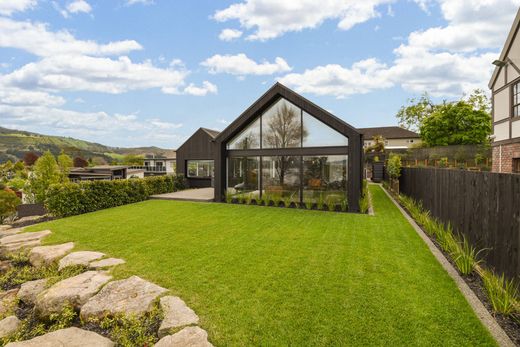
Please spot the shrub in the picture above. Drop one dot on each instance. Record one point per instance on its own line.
(8, 203)
(393, 166)
(465, 257)
(70, 199)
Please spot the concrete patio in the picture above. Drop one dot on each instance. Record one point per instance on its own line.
(200, 194)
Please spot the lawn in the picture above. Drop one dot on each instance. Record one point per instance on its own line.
(274, 277)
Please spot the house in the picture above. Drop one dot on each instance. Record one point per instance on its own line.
(195, 158)
(395, 137)
(159, 166)
(282, 146)
(505, 94)
(102, 172)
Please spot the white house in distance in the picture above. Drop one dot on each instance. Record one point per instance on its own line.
(395, 137)
(505, 90)
(159, 166)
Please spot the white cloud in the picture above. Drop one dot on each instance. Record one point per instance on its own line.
(142, 2)
(35, 38)
(98, 74)
(272, 18)
(444, 61)
(8, 7)
(78, 6)
(333, 79)
(16, 96)
(240, 65)
(229, 34)
(207, 88)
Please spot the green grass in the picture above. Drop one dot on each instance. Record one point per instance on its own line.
(277, 277)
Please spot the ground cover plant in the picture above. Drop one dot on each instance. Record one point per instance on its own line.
(269, 276)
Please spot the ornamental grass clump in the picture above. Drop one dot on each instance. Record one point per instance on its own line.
(502, 293)
(465, 256)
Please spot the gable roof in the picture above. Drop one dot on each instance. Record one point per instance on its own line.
(274, 93)
(392, 132)
(505, 50)
(211, 132)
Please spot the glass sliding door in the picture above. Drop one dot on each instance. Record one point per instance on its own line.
(325, 178)
(281, 177)
(243, 176)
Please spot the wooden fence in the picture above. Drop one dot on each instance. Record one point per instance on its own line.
(484, 206)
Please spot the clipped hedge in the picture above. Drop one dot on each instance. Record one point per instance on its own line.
(70, 199)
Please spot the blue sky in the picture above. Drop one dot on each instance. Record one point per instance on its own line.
(141, 72)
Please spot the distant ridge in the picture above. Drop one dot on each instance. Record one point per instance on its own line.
(15, 143)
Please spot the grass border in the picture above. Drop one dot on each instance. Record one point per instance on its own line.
(478, 307)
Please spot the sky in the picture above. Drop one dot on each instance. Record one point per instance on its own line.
(150, 72)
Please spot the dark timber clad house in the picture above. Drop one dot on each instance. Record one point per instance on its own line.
(282, 146)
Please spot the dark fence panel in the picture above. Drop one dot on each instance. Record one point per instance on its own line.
(484, 206)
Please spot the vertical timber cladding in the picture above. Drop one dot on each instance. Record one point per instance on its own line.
(483, 206)
(355, 144)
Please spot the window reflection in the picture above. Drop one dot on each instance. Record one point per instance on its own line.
(319, 134)
(281, 177)
(281, 126)
(325, 178)
(243, 176)
(249, 138)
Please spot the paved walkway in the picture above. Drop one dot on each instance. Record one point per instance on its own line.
(200, 194)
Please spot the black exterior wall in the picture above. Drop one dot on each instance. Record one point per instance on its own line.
(354, 149)
(198, 147)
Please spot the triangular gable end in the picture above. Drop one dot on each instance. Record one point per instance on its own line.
(505, 50)
(270, 97)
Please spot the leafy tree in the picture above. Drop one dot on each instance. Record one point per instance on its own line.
(393, 166)
(45, 173)
(133, 160)
(19, 166)
(378, 146)
(8, 203)
(80, 162)
(30, 158)
(412, 116)
(65, 164)
(456, 124)
(479, 101)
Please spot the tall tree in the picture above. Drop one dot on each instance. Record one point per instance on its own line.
(30, 158)
(64, 164)
(80, 162)
(45, 173)
(412, 116)
(456, 124)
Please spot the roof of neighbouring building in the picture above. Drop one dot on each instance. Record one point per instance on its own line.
(392, 132)
(211, 132)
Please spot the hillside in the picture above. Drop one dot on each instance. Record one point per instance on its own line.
(15, 143)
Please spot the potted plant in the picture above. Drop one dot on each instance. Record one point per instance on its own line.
(394, 171)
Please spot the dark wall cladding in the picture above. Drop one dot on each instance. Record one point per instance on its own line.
(483, 206)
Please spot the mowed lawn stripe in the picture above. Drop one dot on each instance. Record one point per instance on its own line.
(272, 276)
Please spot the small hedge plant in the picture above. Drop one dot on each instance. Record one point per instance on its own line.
(70, 199)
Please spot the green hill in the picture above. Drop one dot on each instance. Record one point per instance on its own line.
(15, 143)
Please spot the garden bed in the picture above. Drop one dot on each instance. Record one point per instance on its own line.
(509, 323)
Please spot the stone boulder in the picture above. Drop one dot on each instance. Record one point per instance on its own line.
(7, 302)
(10, 231)
(22, 240)
(74, 291)
(79, 258)
(8, 326)
(70, 337)
(176, 315)
(187, 337)
(98, 264)
(131, 296)
(29, 291)
(46, 255)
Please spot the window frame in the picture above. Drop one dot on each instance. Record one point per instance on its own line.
(211, 168)
(515, 92)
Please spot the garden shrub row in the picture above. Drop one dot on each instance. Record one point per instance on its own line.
(503, 294)
(68, 199)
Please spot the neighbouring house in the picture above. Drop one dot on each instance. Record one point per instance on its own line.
(159, 166)
(395, 137)
(196, 157)
(505, 90)
(283, 146)
(102, 172)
